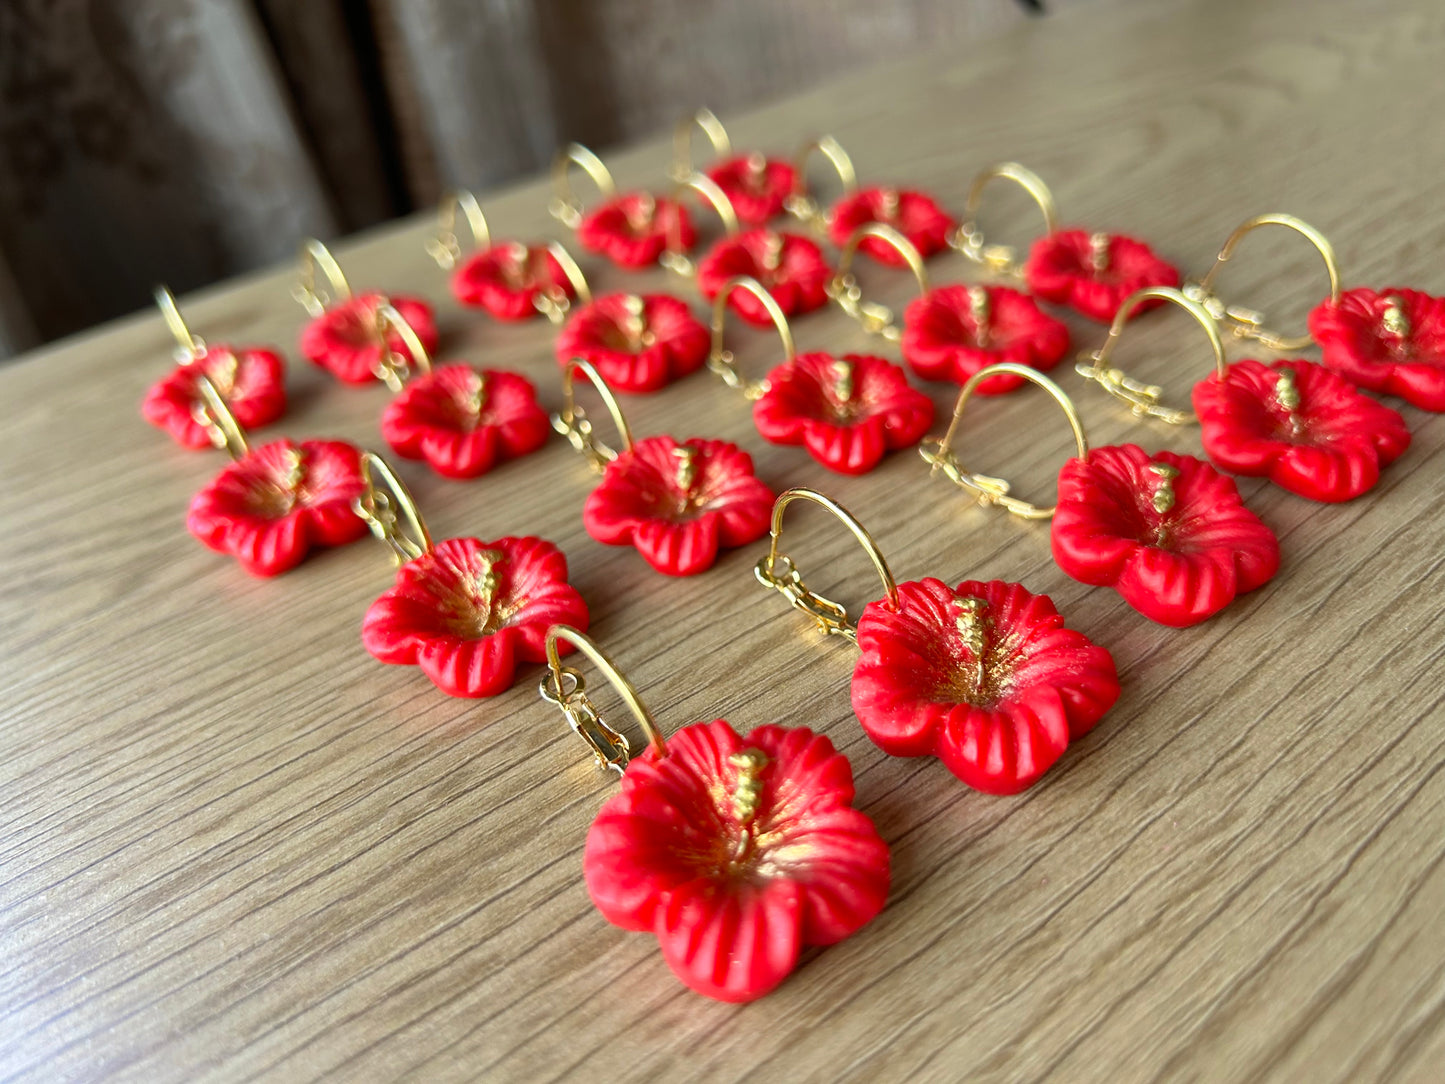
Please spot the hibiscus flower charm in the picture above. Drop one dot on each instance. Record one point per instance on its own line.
(755, 185)
(678, 502)
(985, 677)
(848, 412)
(789, 266)
(343, 336)
(1392, 341)
(250, 380)
(639, 342)
(736, 852)
(631, 230)
(1299, 425)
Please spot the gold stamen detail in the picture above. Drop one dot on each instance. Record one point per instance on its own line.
(749, 792)
(843, 371)
(1286, 391)
(686, 466)
(981, 311)
(889, 197)
(772, 251)
(1164, 496)
(1394, 319)
(973, 624)
(1099, 251)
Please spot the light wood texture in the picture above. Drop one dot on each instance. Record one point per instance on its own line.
(232, 845)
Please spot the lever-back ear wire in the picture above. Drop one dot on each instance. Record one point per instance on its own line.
(572, 421)
(1143, 399)
(778, 571)
(800, 202)
(225, 431)
(443, 246)
(393, 367)
(720, 359)
(1249, 323)
(675, 257)
(682, 136)
(1002, 260)
(985, 488)
(566, 687)
(316, 256)
(565, 207)
(844, 289)
(378, 506)
(552, 302)
(191, 347)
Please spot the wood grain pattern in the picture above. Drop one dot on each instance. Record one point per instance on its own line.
(232, 845)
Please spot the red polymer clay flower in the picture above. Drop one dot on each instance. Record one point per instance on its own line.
(269, 508)
(468, 610)
(737, 853)
(913, 214)
(1093, 273)
(463, 420)
(508, 279)
(1300, 426)
(1168, 532)
(638, 342)
(757, 186)
(847, 412)
(679, 503)
(1392, 341)
(954, 331)
(251, 381)
(985, 677)
(343, 340)
(632, 230)
(789, 266)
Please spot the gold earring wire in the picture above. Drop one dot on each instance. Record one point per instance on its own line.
(800, 202)
(315, 300)
(378, 506)
(565, 207)
(682, 136)
(844, 289)
(572, 421)
(985, 489)
(190, 347)
(553, 303)
(720, 359)
(393, 368)
(566, 687)
(1143, 399)
(675, 257)
(1248, 323)
(1001, 260)
(444, 246)
(224, 430)
(777, 571)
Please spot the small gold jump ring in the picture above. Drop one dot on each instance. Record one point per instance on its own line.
(720, 359)
(572, 421)
(1143, 399)
(392, 368)
(987, 489)
(316, 256)
(1247, 323)
(565, 206)
(682, 136)
(444, 246)
(876, 319)
(375, 506)
(220, 423)
(968, 239)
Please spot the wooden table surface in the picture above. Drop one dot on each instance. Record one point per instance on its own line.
(234, 845)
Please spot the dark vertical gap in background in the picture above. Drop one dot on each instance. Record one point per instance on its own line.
(1033, 7)
(361, 33)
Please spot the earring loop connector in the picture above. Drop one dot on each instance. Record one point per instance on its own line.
(683, 133)
(216, 417)
(393, 367)
(984, 488)
(315, 256)
(1248, 323)
(1001, 260)
(444, 246)
(778, 571)
(554, 303)
(572, 421)
(800, 202)
(721, 360)
(674, 257)
(877, 319)
(378, 506)
(567, 688)
(190, 347)
(1143, 399)
(564, 205)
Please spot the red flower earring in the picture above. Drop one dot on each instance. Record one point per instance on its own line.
(1168, 532)
(983, 676)
(677, 502)
(464, 611)
(274, 504)
(631, 230)
(848, 411)
(735, 851)
(342, 335)
(1090, 272)
(951, 332)
(639, 342)
(509, 279)
(460, 419)
(914, 214)
(756, 186)
(1293, 422)
(250, 380)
